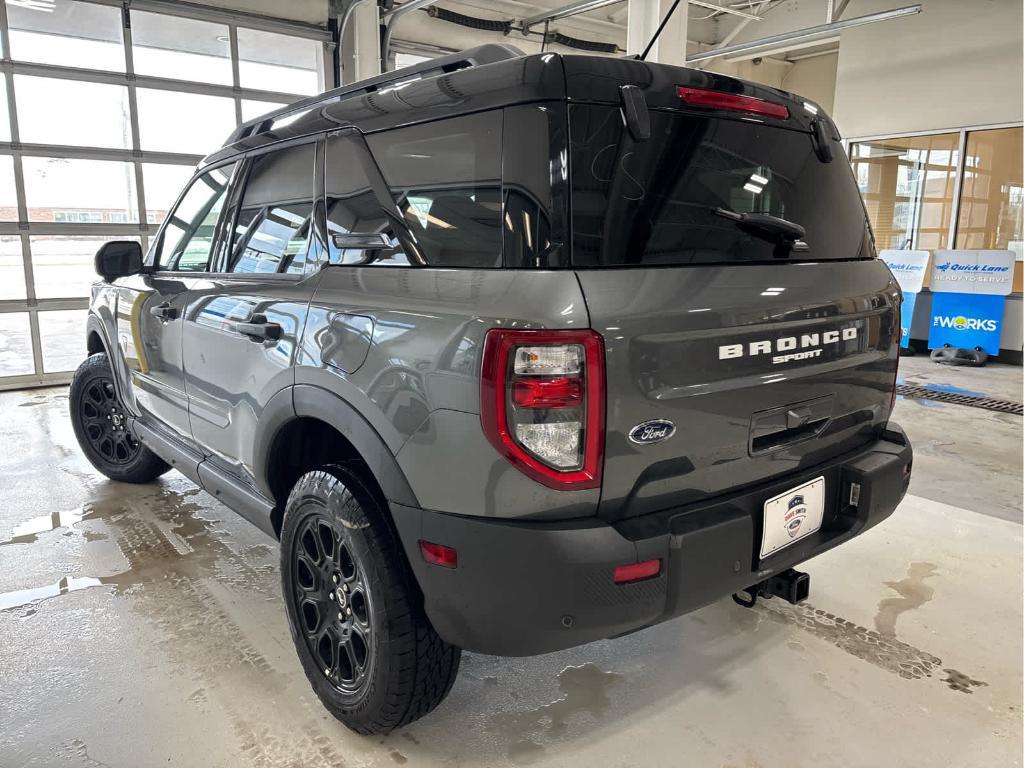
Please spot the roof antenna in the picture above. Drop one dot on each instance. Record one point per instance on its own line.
(643, 56)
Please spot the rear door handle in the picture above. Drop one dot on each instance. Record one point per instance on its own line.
(260, 329)
(164, 311)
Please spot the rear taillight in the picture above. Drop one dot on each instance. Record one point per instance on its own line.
(698, 97)
(542, 403)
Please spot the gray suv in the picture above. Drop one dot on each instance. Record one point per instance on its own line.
(512, 353)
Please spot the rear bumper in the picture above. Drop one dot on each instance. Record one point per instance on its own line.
(528, 588)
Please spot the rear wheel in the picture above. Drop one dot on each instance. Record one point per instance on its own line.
(103, 428)
(355, 614)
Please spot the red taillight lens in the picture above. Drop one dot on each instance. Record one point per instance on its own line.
(439, 554)
(698, 97)
(554, 392)
(542, 403)
(626, 574)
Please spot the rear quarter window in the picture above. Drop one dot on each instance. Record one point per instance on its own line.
(659, 202)
(446, 180)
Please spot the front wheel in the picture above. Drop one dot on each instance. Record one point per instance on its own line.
(103, 429)
(355, 614)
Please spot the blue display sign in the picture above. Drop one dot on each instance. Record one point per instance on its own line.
(907, 317)
(967, 321)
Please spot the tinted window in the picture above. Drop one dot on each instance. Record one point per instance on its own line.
(354, 210)
(188, 237)
(446, 179)
(662, 201)
(273, 225)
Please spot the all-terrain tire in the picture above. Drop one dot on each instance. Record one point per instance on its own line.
(408, 669)
(103, 428)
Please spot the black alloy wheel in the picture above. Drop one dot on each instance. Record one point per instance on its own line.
(333, 603)
(106, 424)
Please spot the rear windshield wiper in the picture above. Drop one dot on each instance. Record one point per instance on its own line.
(764, 224)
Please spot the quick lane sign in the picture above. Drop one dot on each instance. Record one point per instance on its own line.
(976, 272)
(908, 267)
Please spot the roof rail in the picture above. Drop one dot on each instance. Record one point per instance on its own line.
(472, 57)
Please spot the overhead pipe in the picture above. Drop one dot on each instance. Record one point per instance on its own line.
(769, 44)
(391, 18)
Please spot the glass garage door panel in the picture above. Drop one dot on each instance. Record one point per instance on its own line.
(65, 190)
(67, 33)
(273, 62)
(97, 113)
(5, 119)
(192, 123)
(15, 344)
(251, 109)
(8, 197)
(179, 48)
(163, 183)
(12, 268)
(62, 334)
(63, 267)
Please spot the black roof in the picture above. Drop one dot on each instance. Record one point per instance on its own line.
(487, 77)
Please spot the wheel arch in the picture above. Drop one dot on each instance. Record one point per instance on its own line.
(307, 426)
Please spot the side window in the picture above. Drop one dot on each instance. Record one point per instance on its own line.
(188, 237)
(358, 229)
(446, 179)
(272, 231)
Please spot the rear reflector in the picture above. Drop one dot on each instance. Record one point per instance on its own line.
(438, 554)
(698, 97)
(626, 574)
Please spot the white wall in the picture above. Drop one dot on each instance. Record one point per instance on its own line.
(307, 11)
(957, 63)
(814, 79)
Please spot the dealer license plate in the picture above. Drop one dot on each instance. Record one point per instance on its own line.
(792, 515)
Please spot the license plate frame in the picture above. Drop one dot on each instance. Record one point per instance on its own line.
(792, 515)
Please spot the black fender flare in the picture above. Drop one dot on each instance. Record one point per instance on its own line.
(94, 324)
(305, 400)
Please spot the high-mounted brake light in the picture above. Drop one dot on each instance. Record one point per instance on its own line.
(542, 403)
(698, 97)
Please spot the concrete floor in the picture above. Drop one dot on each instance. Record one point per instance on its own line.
(143, 627)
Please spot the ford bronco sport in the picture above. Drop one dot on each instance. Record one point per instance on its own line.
(512, 353)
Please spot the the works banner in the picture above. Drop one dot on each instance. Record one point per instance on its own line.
(966, 321)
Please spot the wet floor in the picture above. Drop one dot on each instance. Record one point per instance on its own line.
(142, 626)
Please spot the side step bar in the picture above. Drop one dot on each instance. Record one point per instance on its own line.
(792, 585)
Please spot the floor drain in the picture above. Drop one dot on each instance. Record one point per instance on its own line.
(988, 403)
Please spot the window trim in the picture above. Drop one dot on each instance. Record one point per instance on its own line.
(235, 203)
(149, 262)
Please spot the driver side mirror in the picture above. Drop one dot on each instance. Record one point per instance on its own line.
(118, 258)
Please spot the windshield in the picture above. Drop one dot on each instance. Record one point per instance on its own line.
(659, 202)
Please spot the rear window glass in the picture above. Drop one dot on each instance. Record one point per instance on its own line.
(446, 179)
(668, 200)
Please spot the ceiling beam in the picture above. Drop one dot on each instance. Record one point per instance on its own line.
(799, 38)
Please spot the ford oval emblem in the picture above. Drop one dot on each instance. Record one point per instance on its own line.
(653, 431)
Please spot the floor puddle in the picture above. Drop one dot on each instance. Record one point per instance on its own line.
(28, 531)
(23, 597)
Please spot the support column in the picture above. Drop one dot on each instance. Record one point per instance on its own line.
(360, 46)
(644, 18)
